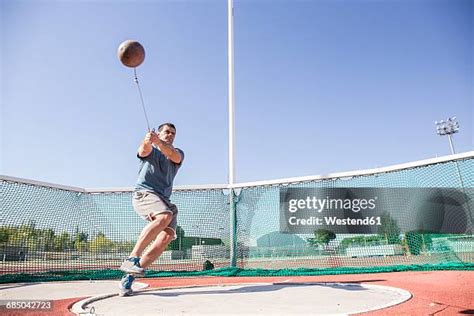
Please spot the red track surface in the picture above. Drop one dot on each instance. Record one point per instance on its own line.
(437, 292)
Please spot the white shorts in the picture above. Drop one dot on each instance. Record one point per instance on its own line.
(148, 204)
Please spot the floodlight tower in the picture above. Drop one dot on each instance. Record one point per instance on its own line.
(448, 127)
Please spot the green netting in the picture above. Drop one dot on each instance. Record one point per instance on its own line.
(50, 229)
(76, 275)
(263, 246)
(50, 233)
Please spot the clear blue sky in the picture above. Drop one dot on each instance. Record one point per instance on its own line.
(321, 86)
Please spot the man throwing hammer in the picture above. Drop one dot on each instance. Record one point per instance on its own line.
(159, 164)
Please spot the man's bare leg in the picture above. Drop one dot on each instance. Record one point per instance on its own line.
(150, 231)
(157, 247)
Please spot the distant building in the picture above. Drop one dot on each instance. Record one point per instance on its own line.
(277, 239)
(13, 253)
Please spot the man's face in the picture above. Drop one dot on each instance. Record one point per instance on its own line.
(167, 134)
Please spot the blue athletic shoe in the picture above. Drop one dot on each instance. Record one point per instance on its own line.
(132, 266)
(126, 285)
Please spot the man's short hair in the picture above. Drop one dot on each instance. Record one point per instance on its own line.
(166, 124)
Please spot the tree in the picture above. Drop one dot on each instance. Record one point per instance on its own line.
(322, 236)
(418, 241)
(5, 234)
(28, 234)
(389, 229)
(63, 242)
(101, 244)
(47, 239)
(125, 246)
(80, 240)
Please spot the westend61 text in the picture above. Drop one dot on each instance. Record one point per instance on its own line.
(334, 221)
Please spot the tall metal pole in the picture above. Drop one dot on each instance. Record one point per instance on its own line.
(450, 127)
(231, 90)
(451, 144)
(233, 215)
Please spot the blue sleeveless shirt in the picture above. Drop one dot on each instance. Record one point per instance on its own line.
(156, 173)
